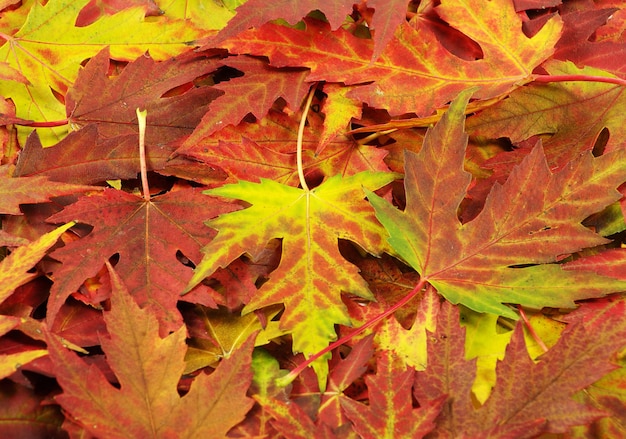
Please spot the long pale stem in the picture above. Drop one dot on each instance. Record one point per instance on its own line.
(305, 111)
(141, 120)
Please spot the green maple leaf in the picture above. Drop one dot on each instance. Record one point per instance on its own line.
(530, 221)
(312, 272)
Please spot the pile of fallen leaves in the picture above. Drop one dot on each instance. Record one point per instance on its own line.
(385, 219)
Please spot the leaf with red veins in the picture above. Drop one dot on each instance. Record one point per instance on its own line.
(390, 412)
(534, 218)
(414, 56)
(544, 389)
(448, 374)
(29, 190)
(339, 110)
(147, 237)
(266, 149)
(148, 368)
(255, 92)
(611, 262)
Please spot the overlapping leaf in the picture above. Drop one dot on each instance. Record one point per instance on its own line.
(267, 149)
(50, 59)
(148, 369)
(147, 236)
(532, 219)
(312, 273)
(560, 113)
(414, 56)
(36, 189)
(390, 412)
(253, 93)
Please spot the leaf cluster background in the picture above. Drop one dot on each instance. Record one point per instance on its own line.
(362, 220)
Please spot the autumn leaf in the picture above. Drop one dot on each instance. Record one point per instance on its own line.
(226, 333)
(50, 59)
(14, 268)
(23, 413)
(414, 56)
(255, 92)
(147, 236)
(390, 412)
(537, 395)
(148, 368)
(557, 111)
(530, 220)
(267, 149)
(312, 273)
(36, 189)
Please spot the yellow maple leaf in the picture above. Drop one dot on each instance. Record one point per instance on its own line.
(48, 51)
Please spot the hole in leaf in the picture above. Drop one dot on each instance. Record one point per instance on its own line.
(601, 141)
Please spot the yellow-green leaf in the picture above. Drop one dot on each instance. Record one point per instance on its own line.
(312, 272)
(14, 268)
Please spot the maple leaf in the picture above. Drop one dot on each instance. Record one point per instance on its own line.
(144, 84)
(340, 110)
(414, 56)
(528, 398)
(343, 372)
(576, 46)
(14, 268)
(24, 413)
(48, 51)
(37, 189)
(390, 411)
(146, 235)
(227, 332)
(557, 111)
(312, 273)
(148, 368)
(532, 219)
(253, 13)
(253, 93)
(267, 149)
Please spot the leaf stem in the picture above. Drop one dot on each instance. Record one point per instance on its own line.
(584, 78)
(141, 120)
(305, 112)
(283, 381)
(532, 331)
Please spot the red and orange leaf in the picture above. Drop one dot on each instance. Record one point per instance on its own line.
(543, 390)
(84, 157)
(144, 84)
(28, 190)
(576, 46)
(415, 56)
(25, 414)
(267, 149)
(148, 369)
(390, 412)
(534, 218)
(254, 13)
(147, 237)
(312, 272)
(559, 112)
(255, 92)
(343, 372)
(611, 262)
